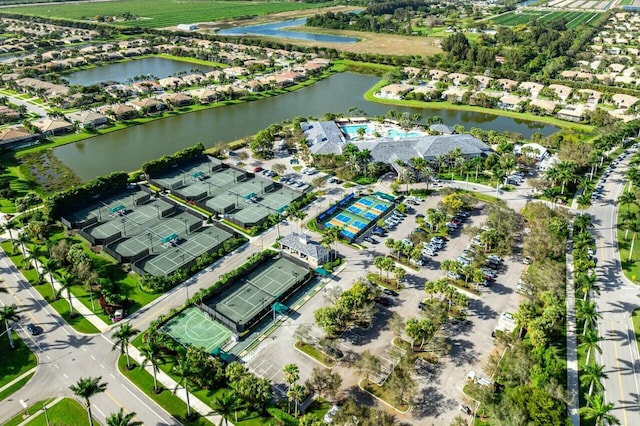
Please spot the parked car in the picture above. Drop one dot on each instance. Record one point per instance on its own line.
(526, 260)
(508, 316)
(370, 240)
(466, 410)
(389, 292)
(257, 169)
(418, 262)
(328, 417)
(382, 300)
(455, 276)
(407, 242)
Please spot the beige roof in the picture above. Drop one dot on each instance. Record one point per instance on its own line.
(51, 125)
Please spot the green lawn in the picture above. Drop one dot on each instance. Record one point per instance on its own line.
(166, 399)
(15, 387)
(14, 362)
(631, 268)
(316, 354)
(163, 13)
(19, 418)
(66, 412)
(635, 317)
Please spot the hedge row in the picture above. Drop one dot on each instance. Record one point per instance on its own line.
(60, 202)
(166, 161)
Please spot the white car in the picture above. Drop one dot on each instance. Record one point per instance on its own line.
(328, 418)
(508, 316)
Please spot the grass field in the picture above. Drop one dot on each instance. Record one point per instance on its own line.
(574, 19)
(162, 13)
(66, 412)
(14, 362)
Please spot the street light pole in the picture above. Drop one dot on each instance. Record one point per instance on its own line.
(46, 416)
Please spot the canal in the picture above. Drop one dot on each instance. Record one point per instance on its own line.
(127, 149)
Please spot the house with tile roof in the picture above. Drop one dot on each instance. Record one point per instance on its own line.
(302, 246)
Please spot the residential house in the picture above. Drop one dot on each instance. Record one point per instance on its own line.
(483, 81)
(562, 92)
(437, 74)
(52, 126)
(575, 113)
(193, 79)
(454, 94)
(88, 119)
(148, 105)
(8, 114)
(569, 74)
(16, 137)
(533, 88)
(287, 78)
(305, 248)
(394, 91)
(146, 86)
(623, 101)
(457, 79)
(178, 99)
(171, 82)
(510, 102)
(547, 106)
(205, 95)
(591, 97)
(119, 112)
(534, 150)
(507, 85)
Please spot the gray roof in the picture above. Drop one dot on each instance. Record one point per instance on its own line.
(324, 137)
(311, 249)
(387, 150)
(442, 128)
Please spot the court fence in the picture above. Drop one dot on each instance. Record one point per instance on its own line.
(249, 323)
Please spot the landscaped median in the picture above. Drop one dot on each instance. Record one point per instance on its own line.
(316, 354)
(15, 363)
(382, 393)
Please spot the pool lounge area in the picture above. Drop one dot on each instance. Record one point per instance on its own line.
(371, 129)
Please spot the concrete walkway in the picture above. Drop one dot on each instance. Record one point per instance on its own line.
(20, 377)
(78, 306)
(573, 384)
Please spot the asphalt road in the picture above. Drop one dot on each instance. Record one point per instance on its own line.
(616, 302)
(65, 355)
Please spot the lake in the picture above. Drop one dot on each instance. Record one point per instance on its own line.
(127, 149)
(274, 29)
(121, 71)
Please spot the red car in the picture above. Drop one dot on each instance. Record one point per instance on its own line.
(257, 169)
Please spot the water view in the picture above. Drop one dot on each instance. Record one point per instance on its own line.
(127, 149)
(274, 29)
(121, 71)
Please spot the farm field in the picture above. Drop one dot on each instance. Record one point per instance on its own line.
(162, 13)
(574, 19)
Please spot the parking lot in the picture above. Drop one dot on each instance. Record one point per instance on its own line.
(470, 341)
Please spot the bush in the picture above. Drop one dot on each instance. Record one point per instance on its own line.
(154, 166)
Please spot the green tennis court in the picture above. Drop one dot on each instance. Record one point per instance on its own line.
(257, 290)
(193, 328)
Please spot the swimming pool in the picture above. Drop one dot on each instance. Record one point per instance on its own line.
(352, 129)
(399, 134)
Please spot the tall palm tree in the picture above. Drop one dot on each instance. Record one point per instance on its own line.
(295, 394)
(9, 313)
(582, 222)
(183, 368)
(225, 403)
(627, 198)
(48, 268)
(66, 281)
(152, 353)
(122, 338)
(330, 237)
(9, 226)
(291, 374)
(23, 238)
(86, 388)
(587, 312)
(587, 283)
(590, 341)
(592, 375)
(598, 410)
(122, 419)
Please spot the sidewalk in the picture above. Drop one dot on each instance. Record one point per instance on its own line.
(163, 378)
(77, 304)
(20, 377)
(573, 384)
(37, 413)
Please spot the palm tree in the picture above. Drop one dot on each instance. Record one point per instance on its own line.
(587, 312)
(23, 238)
(590, 341)
(291, 374)
(627, 198)
(49, 267)
(122, 338)
(9, 226)
(587, 283)
(66, 280)
(582, 222)
(592, 375)
(330, 237)
(152, 353)
(9, 313)
(225, 403)
(122, 419)
(296, 393)
(86, 388)
(598, 410)
(183, 369)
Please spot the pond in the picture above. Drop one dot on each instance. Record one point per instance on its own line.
(273, 29)
(127, 149)
(121, 71)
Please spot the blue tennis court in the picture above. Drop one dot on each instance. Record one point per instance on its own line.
(367, 202)
(348, 234)
(370, 216)
(343, 218)
(381, 207)
(354, 210)
(358, 224)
